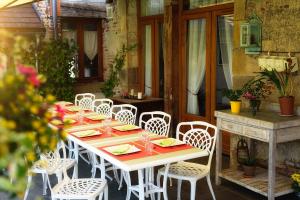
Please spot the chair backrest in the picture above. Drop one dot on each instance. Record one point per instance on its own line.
(199, 134)
(157, 122)
(124, 113)
(85, 100)
(103, 106)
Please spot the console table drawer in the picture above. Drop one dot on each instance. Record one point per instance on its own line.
(257, 133)
(231, 127)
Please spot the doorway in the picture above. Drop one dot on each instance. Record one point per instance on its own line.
(206, 59)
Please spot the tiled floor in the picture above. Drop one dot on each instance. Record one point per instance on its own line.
(227, 191)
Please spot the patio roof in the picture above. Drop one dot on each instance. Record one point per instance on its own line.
(11, 3)
(21, 17)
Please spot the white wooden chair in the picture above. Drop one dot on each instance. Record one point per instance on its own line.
(49, 164)
(201, 135)
(85, 100)
(84, 188)
(157, 122)
(124, 113)
(103, 106)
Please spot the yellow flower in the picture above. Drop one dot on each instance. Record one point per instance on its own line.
(41, 129)
(53, 143)
(43, 140)
(30, 156)
(50, 98)
(1, 108)
(48, 115)
(36, 124)
(11, 124)
(1, 84)
(9, 79)
(31, 136)
(64, 134)
(21, 97)
(34, 110)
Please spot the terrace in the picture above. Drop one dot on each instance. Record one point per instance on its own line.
(86, 72)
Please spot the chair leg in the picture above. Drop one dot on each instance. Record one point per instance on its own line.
(179, 183)
(45, 183)
(210, 186)
(158, 184)
(106, 193)
(121, 179)
(28, 187)
(193, 190)
(165, 181)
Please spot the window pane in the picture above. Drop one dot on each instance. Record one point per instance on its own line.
(196, 67)
(148, 59)
(152, 7)
(90, 50)
(69, 32)
(224, 59)
(191, 4)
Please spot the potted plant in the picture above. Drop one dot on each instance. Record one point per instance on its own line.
(283, 81)
(234, 97)
(254, 90)
(249, 166)
(296, 183)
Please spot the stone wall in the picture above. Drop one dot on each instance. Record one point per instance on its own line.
(280, 33)
(122, 29)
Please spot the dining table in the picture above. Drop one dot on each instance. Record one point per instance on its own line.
(109, 136)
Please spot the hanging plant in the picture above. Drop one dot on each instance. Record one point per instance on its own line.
(115, 69)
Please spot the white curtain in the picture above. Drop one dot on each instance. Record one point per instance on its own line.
(90, 44)
(148, 61)
(152, 7)
(225, 35)
(196, 62)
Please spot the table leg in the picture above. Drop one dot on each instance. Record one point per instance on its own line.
(272, 165)
(76, 155)
(218, 153)
(141, 184)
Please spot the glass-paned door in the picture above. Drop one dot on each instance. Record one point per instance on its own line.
(152, 58)
(195, 76)
(224, 46)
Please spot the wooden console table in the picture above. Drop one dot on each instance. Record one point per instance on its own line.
(144, 105)
(267, 127)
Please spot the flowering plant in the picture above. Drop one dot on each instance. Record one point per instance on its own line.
(256, 88)
(24, 130)
(296, 182)
(283, 81)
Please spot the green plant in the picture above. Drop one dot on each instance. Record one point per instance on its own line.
(55, 59)
(115, 68)
(283, 81)
(232, 95)
(24, 130)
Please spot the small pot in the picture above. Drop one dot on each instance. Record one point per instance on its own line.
(249, 171)
(235, 107)
(287, 105)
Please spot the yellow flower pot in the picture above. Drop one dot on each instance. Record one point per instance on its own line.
(235, 107)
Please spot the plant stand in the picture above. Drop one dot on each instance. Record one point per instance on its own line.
(267, 127)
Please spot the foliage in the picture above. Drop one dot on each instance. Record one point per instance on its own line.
(24, 129)
(283, 81)
(115, 68)
(256, 88)
(55, 60)
(232, 95)
(296, 182)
